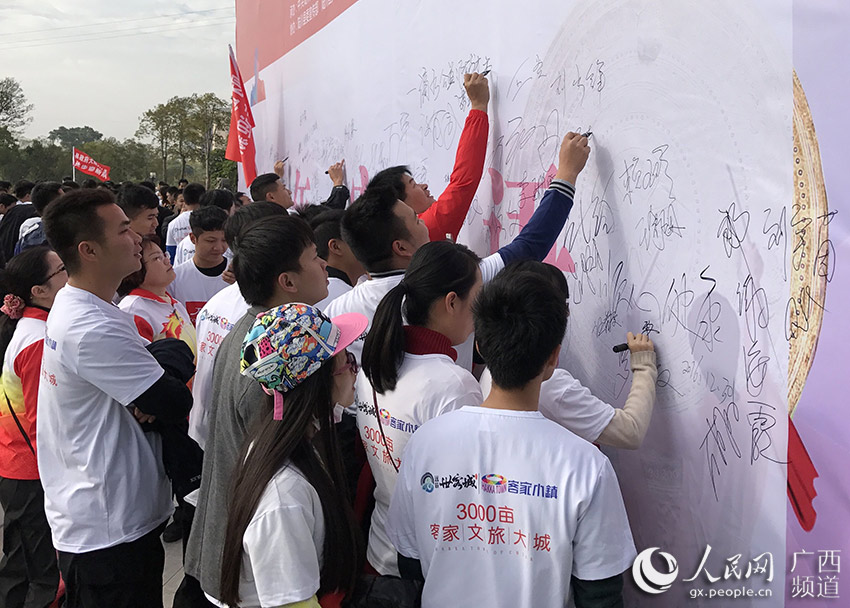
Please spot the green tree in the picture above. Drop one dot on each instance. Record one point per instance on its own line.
(220, 168)
(209, 122)
(38, 160)
(157, 124)
(128, 160)
(74, 137)
(14, 109)
(181, 109)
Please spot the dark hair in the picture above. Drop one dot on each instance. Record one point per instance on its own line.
(73, 218)
(392, 178)
(267, 248)
(70, 184)
(174, 190)
(4, 185)
(520, 319)
(135, 199)
(272, 445)
(149, 185)
(192, 194)
(43, 193)
(23, 272)
(207, 219)
(89, 183)
(182, 180)
(131, 281)
(549, 272)
(223, 199)
(326, 225)
(435, 270)
(163, 192)
(370, 226)
(247, 215)
(7, 200)
(22, 188)
(262, 185)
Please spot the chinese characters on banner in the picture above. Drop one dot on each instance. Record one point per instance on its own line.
(240, 140)
(86, 164)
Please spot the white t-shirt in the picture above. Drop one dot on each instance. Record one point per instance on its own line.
(194, 288)
(365, 297)
(336, 287)
(104, 482)
(503, 507)
(213, 323)
(178, 229)
(157, 318)
(282, 546)
(564, 400)
(186, 251)
(428, 386)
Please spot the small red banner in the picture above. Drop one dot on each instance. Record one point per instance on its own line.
(86, 164)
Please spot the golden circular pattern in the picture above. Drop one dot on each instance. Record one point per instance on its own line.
(808, 236)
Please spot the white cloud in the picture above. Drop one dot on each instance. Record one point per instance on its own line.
(117, 72)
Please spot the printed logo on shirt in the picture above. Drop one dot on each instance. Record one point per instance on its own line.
(427, 482)
(51, 344)
(173, 326)
(387, 419)
(213, 318)
(491, 483)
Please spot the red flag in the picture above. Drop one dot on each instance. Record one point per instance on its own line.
(86, 164)
(240, 141)
(801, 479)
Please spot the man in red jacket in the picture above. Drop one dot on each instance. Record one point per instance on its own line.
(444, 217)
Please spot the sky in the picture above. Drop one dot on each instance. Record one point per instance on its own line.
(102, 63)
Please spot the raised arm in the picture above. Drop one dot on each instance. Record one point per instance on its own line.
(446, 215)
(537, 237)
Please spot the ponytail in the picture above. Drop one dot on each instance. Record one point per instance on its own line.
(383, 350)
(435, 270)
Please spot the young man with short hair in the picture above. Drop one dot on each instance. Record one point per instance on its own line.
(275, 263)
(217, 318)
(223, 199)
(444, 216)
(344, 269)
(179, 227)
(13, 218)
(199, 279)
(542, 512)
(31, 233)
(269, 187)
(142, 207)
(107, 497)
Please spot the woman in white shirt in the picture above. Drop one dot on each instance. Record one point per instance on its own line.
(291, 536)
(144, 294)
(409, 374)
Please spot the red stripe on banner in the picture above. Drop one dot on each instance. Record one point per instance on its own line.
(267, 30)
(801, 479)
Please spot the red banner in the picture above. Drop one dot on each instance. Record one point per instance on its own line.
(86, 164)
(240, 141)
(266, 31)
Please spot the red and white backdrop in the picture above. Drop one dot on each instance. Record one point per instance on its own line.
(711, 213)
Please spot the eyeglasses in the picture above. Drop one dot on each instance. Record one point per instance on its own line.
(50, 276)
(350, 364)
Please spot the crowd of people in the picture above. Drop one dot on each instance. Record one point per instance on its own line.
(347, 407)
